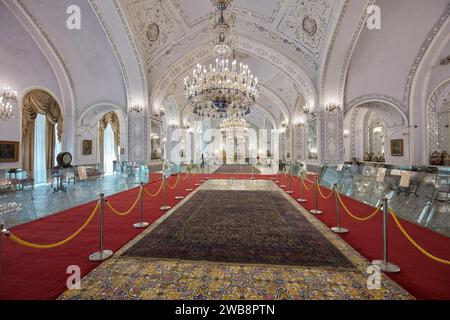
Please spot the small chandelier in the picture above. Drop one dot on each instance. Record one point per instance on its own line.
(234, 123)
(227, 89)
(136, 108)
(7, 100)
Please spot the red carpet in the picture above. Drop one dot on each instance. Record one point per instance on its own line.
(422, 277)
(41, 274)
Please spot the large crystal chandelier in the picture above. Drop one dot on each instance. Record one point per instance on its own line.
(227, 88)
(7, 99)
(234, 123)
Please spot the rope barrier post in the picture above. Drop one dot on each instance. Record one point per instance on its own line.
(189, 189)
(197, 184)
(165, 207)
(101, 255)
(302, 198)
(283, 185)
(179, 196)
(338, 229)
(290, 191)
(141, 224)
(384, 264)
(315, 211)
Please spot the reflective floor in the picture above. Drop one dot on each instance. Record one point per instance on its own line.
(27, 205)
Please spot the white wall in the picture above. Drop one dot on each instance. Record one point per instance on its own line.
(22, 66)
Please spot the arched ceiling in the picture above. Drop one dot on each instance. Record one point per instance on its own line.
(282, 41)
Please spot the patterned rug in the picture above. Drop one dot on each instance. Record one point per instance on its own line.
(257, 227)
(237, 168)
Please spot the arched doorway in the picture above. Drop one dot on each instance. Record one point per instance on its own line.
(42, 127)
(376, 131)
(438, 125)
(109, 141)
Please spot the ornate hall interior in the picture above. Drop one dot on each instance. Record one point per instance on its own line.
(225, 150)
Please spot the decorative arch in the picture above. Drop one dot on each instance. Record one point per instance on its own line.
(433, 127)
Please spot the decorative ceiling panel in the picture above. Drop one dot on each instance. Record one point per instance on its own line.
(306, 23)
(154, 26)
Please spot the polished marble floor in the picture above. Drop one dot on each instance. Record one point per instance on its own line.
(30, 204)
(124, 277)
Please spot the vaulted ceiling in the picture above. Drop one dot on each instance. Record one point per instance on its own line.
(282, 41)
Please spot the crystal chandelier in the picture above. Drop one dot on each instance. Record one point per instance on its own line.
(7, 100)
(234, 123)
(227, 89)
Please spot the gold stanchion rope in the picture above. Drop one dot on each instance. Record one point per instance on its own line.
(321, 194)
(306, 187)
(414, 243)
(175, 185)
(352, 215)
(157, 192)
(24, 243)
(110, 206)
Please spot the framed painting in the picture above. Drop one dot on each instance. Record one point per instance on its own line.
(9, 151)
(87, 147)
(397, 148)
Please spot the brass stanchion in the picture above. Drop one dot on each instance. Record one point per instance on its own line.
(283, 185)
(315, 211)
(338, 229)
(101, 255)
(179, 196)
(141, 224)
(290, 191)
(165, 207)
(197, 178)
(188, 188)
(384, 264)
(302, 198)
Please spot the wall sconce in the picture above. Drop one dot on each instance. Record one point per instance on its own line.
(136, 108)
(7, 100)
(173, 125)
(162, 112)
(346, 133)
(333, 107)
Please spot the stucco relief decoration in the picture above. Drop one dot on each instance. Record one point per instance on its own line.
(154, 26)
(309, 26)
(152, 32)
(306, 22)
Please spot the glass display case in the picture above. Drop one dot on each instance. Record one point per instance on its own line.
(418, 194)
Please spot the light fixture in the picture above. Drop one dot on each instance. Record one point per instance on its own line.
(234, 123)
(346, 133)
(136, 108)
(227, 89)
(333, 107)
(7, 101)
(173, 125)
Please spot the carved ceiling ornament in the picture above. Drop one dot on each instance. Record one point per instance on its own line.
(152, 32)
(306, 22)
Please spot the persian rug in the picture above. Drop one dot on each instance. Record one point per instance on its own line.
(254, 227)
(237, 168)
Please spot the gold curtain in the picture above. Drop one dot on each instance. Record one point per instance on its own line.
(113, 119)
(50, 145)
(34, 102)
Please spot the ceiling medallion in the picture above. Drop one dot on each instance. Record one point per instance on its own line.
(309, 26)
(228, 88)
(152, 32)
